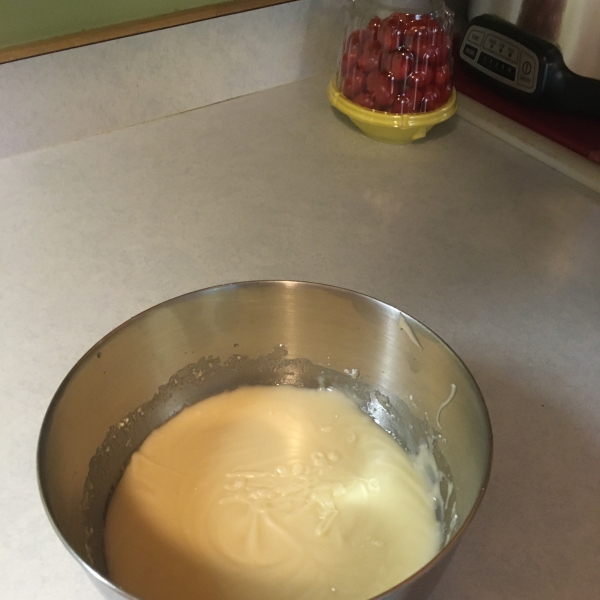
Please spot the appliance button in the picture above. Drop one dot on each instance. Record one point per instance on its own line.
(528, 71)
(510, 52)
(491, 43)
(525, 82)
(475, 36)
(469, 51)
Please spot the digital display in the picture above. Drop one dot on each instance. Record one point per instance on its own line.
(497, 66)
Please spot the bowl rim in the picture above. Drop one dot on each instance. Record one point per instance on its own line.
(48, 417)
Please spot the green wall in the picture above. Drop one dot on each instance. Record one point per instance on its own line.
(23, 21)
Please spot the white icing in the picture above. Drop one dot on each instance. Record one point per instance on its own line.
(444, 404)
(274, 493)
(404, 326)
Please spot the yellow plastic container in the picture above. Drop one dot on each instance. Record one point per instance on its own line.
(389, 127)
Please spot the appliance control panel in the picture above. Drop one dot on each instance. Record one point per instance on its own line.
(526, 67)
(501, 58)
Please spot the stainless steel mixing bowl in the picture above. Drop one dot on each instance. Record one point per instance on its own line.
(265, 332)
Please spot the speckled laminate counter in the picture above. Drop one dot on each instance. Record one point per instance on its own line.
(495, 251)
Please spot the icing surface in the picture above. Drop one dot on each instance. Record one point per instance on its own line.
(268, 493)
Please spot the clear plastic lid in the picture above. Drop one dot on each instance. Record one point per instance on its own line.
(396, 56)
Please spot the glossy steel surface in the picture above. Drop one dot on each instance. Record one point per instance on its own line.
(570, 24)
(335, 328)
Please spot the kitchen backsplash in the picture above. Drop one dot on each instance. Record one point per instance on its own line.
(49, 100)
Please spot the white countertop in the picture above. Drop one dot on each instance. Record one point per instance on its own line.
(495, 251)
